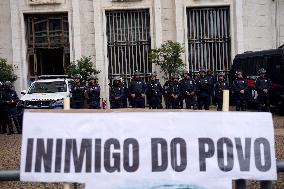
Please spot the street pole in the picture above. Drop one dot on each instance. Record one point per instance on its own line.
(66, 107)
(226, 100)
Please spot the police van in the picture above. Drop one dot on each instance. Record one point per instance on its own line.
(46, 93)
(273, 62)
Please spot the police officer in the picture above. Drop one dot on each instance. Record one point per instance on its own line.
(137, 91)
(154, 92)
(166, 92)
(2, 112)
(78, 93)
(172, 92)
(93, 93)
(220, 85)
(181, 96)
(117, 93)
(204, 90)
(188, 90)
(210, 75)
(10, 102)
(240, 89)
(212, 80)
(263, 86)
(125, 92)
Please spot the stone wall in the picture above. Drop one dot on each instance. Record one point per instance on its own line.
(168, 20)
(259, 25)
(5, 31)
(280, 22)
(255, 25)
(87, 28)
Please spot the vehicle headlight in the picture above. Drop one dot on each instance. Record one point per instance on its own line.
(58, 103)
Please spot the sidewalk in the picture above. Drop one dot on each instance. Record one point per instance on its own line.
(279, 132)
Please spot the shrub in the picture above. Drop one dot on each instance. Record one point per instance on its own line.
(83, 66)
(168, 58)
(7, 71)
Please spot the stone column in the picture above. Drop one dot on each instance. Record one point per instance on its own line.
(76, 29)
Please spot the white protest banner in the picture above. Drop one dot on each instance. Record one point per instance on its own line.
(152, 146)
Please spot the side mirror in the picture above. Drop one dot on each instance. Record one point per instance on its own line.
(23, 92)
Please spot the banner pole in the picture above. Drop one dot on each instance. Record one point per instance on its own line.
(226, 100)
(66, 103)
(66, 186)
(66, 107)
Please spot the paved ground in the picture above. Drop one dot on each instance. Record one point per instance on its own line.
(10, 147)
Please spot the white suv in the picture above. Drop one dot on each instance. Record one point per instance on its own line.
(46, 93)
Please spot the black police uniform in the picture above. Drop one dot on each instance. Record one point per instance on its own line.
(138, 88)
(263, 98)
(77, 92)
(3, 120)
(188, 90)
(166, 92)
(204, 91)
(93, 91)
(124, 97)
(117, 96)
(241, 98)
(10, 105)
(154, 93)
(212, 80)
(220, 85)
(171, 87)
(181, 97)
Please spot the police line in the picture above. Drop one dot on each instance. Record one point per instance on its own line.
(152, 146)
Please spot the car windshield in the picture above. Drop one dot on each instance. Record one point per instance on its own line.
(48, 87)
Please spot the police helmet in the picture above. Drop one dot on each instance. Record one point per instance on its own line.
(262, 71)
(8, 84)
(202, 70)
(77, 76)
(137, 73)
(154, 74)
(92, 77)
(117, 78)
(239, 72)
(221, 74)
(185, 72)
(175, 76)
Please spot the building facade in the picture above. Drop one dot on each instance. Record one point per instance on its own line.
(43, 36)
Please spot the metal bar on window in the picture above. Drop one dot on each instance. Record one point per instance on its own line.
(209, 38)
(131, 44)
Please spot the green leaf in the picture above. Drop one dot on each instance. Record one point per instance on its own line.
(84, 66)
(7, 71)
(168, 58)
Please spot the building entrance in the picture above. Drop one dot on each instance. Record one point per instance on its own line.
(50, 61)
(47, 44)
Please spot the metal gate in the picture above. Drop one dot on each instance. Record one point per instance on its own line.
(128, 42)
(209, 39)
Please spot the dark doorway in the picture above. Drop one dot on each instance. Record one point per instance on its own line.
(48, 50)
(50, 61)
